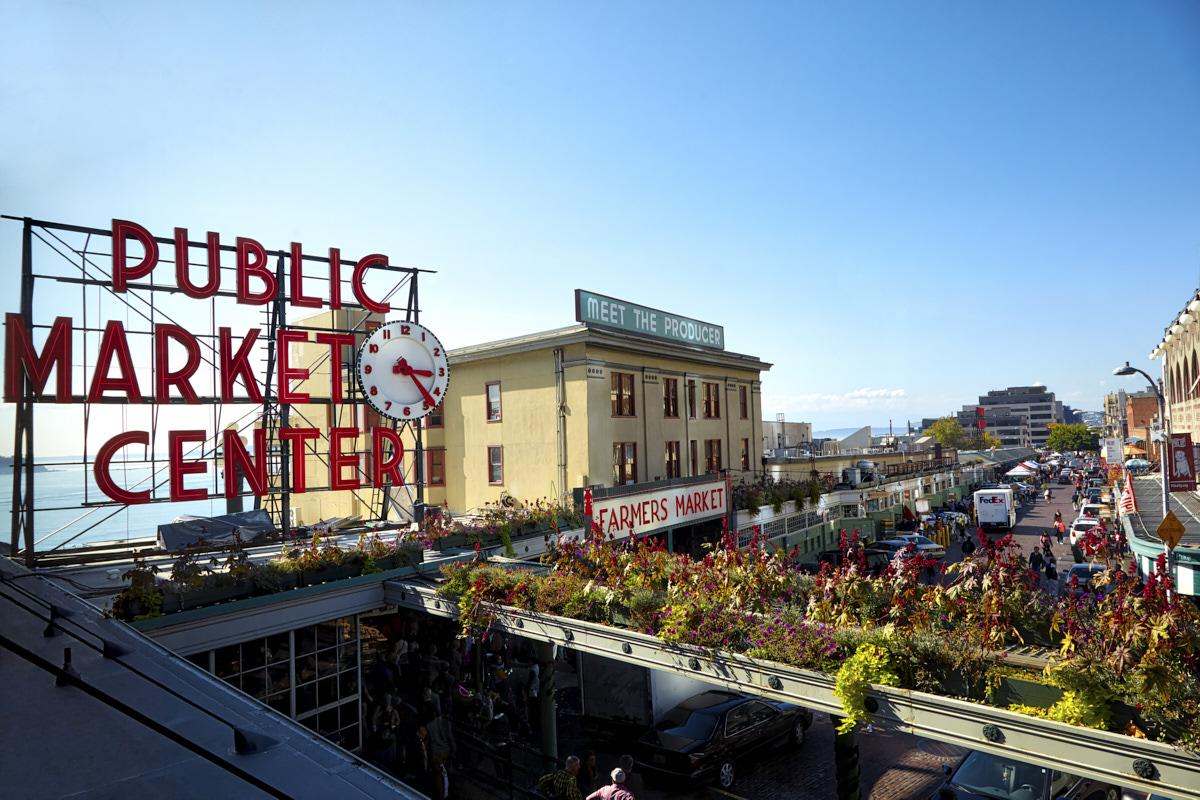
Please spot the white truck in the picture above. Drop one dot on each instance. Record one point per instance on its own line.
(995, 510)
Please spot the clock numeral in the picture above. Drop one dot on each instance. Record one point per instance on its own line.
(387, 405)
(422, 336)
(441, 372)
(425, 406)
(368, 369)
(407, 411)
(437, 351)
(374, 391)
(387, 333)
(372, 348)
(437, 390)
(405, 330)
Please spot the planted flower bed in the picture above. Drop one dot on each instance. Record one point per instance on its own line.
(198, 580)
(1126, 659)
(499, 524)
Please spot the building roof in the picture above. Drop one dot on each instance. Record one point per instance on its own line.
(579, 333)
(1001, 455)
(1185, 505)
(131, 718)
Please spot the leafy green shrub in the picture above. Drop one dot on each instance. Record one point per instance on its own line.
(869, 665)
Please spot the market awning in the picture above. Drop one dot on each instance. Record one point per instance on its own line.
(1019, 471)
(1133, 449)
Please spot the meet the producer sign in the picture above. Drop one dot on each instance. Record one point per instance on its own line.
(658, 509)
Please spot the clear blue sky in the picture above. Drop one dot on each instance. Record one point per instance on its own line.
(900, 205)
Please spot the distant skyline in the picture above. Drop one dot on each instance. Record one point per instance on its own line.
(900, 206)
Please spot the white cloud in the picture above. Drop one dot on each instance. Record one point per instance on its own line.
(857, 398)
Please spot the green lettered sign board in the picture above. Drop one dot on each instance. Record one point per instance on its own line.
(608, 312)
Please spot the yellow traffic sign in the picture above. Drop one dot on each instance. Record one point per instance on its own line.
(1170, 530)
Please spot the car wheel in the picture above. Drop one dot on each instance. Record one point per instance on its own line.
(725, 774)
(799, 733)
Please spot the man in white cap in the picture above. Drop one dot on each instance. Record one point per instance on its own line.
(615, 790)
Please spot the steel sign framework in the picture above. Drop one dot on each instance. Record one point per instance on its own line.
(72, 271)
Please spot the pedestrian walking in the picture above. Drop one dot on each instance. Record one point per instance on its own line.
(615, 790)
(1052, 575)
(1036, 562)
(968, 547)
(1060, 529)
(561, 784)
(1049, 495)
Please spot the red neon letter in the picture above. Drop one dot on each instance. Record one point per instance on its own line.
(104, 477)
(252, 261)
(390, 467)
(20, 359)
(338, 459)
(300, 299)
(360, 270)
(238, 460)
(335, 341)
(296, 437)
(286, 374)
(164, 379)
(183, 276)
(113, 343)
(238, 364)
(175, 443)
(335, 278)
(121, 273)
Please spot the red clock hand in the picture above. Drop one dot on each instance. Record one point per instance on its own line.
(424, 372)
(424, 392)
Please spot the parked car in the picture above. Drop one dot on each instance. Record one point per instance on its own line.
(877, 561)
(1082, 574)
(983, 776)
(1092, 510)
(711, 735)
(894, 546)
(925, 546)
(1081, 526)
(1065, 478)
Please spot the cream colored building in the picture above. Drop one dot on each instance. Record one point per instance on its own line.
(316, 505)
(539, 415)
(1180, 354)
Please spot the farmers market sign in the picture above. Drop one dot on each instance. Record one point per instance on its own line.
(657, 509)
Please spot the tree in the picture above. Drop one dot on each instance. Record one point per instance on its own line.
(1065, 438)
(987, 441)
(948, 432)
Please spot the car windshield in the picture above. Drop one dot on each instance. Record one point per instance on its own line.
(920, 540)
(688, 724)
(999, 778)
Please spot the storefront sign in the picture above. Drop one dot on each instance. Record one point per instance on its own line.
(656, 509)
(1181, 465)
(607, 312)
(1113, 451)
(112, 376)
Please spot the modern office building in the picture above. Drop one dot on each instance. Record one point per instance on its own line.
(1011, 429)
(1033, 404)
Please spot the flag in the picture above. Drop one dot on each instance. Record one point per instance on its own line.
(1128, 498)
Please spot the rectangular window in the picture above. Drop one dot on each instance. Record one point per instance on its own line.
(435, 466)
(434, 418)
(712, 401)
(622, 394)
(693, 459)
(712, 455)
(493, 402)
(746, 454)
(670, 397)
(691, 399)
(495, 465)
(671, 456)
(624, 463)
(743, 402)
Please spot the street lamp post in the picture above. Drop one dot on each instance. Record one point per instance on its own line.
(1162, 449)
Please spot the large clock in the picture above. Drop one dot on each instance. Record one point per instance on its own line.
(403, 371)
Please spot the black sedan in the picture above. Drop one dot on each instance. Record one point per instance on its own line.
(983, 776)
(708, 736)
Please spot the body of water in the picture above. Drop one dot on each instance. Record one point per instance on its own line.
(80, 525)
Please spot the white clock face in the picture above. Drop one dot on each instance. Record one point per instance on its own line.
(403, 371)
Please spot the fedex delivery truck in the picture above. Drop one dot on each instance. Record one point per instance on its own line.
(995, 510)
